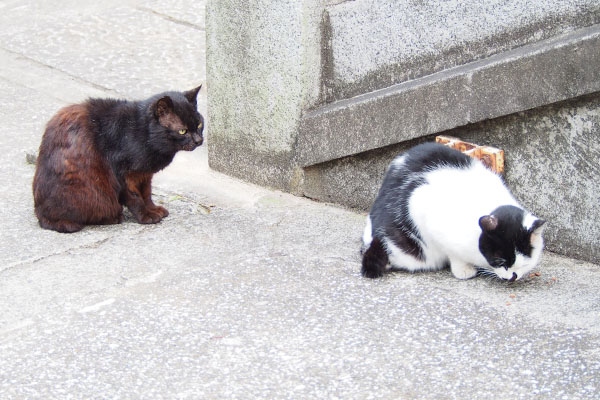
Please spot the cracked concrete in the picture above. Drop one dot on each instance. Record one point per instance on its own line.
(241, 292)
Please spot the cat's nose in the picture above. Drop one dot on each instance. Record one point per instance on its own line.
(514, 277)
(198, 139)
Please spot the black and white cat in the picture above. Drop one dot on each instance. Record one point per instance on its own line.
(439, 207)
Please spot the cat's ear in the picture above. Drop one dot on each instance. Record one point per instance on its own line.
(162, 106)
(191, 95)
(488, 223)
(537, 226)
(536, 229)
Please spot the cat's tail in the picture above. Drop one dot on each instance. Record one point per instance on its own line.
(375, 259)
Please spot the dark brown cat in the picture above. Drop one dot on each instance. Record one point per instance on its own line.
(97, 156)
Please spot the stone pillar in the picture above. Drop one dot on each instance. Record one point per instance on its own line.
(263, 71)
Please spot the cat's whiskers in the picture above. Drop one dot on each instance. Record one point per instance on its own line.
(489, 274)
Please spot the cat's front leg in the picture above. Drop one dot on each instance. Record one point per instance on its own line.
(462, 270)
(138, 208)
(160, 210)
(138, 199)
(145, 189)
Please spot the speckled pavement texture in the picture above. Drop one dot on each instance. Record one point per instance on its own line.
(241, 292)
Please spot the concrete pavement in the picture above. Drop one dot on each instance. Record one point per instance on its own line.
(241, 292)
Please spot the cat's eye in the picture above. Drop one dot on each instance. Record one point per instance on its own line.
(182, 131)
(200, 125)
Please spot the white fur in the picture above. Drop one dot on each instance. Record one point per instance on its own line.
(528, 220)
(368, 233)
(398, 161)
(447, 210)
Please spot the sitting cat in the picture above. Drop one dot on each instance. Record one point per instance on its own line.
(97, 156)
(436, 207)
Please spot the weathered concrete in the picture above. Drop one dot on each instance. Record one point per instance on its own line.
(264, 70)
(496, 86)
(532, 76)
(353, 181)
(261, 74)
(242, 292)
(376, 44)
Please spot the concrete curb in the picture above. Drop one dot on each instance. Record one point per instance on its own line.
(531, 76)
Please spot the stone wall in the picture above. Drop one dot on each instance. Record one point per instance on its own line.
(374, 44)
(315, 97)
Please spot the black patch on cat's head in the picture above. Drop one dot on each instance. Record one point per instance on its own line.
(503, 235)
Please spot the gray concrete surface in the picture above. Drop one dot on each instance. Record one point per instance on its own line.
(241, 292)
(547, 72)
(376, 44)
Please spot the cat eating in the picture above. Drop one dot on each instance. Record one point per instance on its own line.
(438, 207)
(97, 156)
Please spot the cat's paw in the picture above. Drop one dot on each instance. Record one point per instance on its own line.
(462, 270)
(371, 272)
(375, 260)
(163, 212)
(149, 217)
